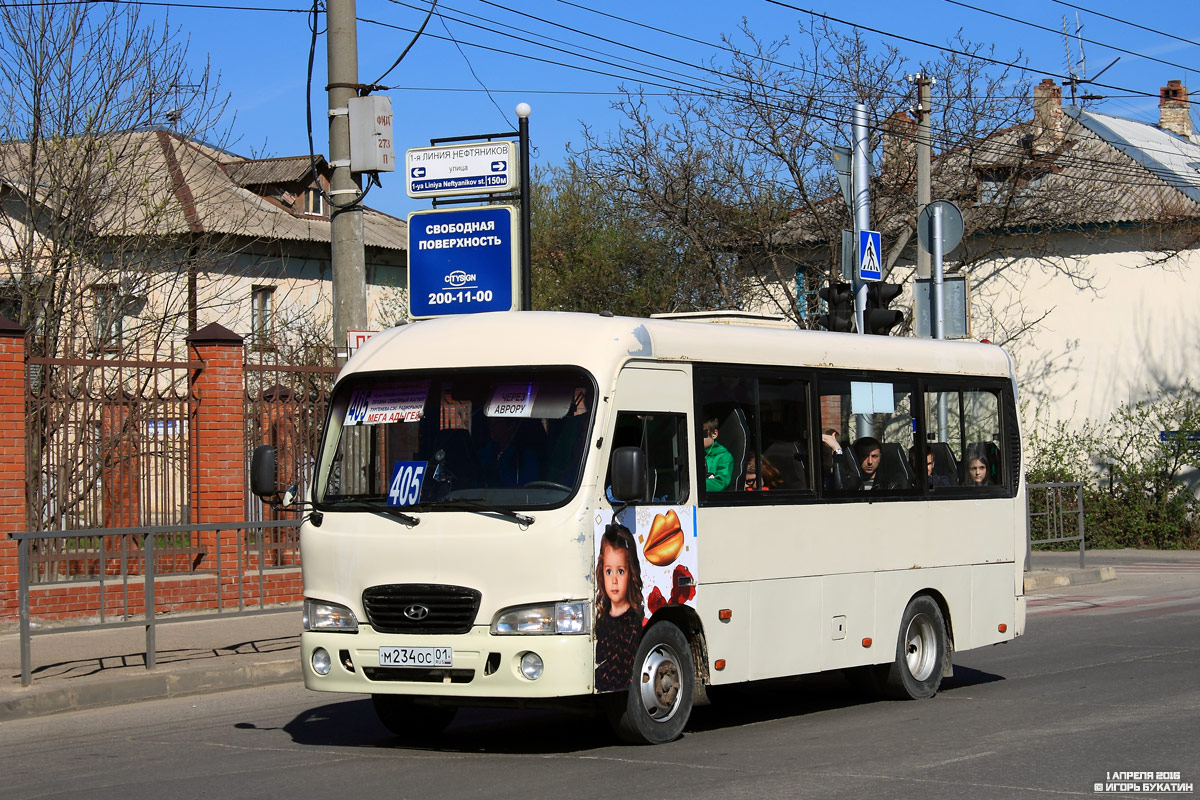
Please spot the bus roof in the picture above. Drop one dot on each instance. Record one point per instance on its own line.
(602, 344)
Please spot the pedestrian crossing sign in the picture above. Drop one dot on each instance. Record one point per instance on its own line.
(870, 261)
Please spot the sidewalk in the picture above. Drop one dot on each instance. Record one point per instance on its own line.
(88, 669)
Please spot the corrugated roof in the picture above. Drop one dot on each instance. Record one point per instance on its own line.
(1104, 171)
(1173, 159)
(259, 171)
(189, 190)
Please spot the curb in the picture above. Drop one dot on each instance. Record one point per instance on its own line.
(37, 702)
(1051, 578)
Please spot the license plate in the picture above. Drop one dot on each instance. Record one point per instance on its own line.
(416, 656)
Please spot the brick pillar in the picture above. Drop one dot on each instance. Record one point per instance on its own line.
(217, 435)
(12, 459)
(120, 479)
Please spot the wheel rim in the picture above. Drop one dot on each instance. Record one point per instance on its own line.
(659, 683)
(920, 647)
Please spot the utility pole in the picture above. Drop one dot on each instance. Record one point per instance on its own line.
(924, 142)
(346, 215)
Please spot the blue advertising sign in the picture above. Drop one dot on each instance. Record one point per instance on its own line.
(870, 260)
(462, 261)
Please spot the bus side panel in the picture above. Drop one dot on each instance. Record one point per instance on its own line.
(786, 627)
(895, 589)
(994, 605)
(727, 640)
(848, 618)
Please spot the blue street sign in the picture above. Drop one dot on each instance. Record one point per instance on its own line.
(870, 261)
(462, 261)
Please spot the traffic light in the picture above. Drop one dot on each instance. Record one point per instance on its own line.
(839, 307)
(878, 318)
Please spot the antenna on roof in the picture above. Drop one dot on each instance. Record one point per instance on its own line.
(1075, 78)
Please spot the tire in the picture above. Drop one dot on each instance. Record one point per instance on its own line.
(659, 702)
(920, 652)
(410, 721)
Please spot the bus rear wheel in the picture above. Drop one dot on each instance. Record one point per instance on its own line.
(659, 701)
(916, 672)
(410, 721)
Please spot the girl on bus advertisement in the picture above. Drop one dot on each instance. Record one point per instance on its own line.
(636, 575)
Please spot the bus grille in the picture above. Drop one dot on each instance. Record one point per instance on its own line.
(431, 608)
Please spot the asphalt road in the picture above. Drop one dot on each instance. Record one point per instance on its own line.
(1106, 680)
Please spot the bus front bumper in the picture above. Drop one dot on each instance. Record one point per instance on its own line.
(482, 666)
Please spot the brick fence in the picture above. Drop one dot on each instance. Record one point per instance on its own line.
(205, 565)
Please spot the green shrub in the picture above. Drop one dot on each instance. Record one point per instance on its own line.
(1132, 467)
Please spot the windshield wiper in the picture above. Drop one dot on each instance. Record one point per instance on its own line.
(384, 511)
(460, 504)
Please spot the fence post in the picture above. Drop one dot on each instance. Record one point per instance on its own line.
(217, 431)
(12, 461)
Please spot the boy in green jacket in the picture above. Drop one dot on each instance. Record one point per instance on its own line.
(717, 460)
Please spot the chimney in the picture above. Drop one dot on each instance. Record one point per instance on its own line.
(1047, 117)
(1174, 110)
(899, 149)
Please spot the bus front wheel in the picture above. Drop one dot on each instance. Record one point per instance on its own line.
(920, 652)
(409, 720)
(659, 701)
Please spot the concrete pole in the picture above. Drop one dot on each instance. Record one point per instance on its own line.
(924, 145)
(346, 223)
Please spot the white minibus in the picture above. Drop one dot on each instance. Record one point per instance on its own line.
(527, 508)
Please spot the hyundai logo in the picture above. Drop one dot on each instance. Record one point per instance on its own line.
(416, 612)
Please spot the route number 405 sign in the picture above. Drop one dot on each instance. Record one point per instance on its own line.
(405, 487)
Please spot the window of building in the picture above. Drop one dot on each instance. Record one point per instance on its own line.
(262, 312)
(314, 202)
(109, 317)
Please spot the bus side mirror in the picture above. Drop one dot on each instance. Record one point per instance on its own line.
(629, 474)
(262, 472)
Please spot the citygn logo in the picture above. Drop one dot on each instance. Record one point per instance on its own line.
(416, 612)
(458, 278)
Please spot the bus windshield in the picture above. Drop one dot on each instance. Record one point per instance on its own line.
(508, 437)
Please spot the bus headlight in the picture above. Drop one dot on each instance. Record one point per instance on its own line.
(321, 661)
(548, 618)
(322, 616)
(531, 666)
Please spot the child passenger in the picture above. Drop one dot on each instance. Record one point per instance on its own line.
(619, 610)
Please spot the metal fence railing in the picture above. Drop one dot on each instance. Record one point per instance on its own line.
(1054, 512)
(126, 566)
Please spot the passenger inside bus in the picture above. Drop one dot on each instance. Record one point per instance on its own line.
(510, 455)
(764, 479)
(977, 468)
(936, 480)
(867, 453)
(718, 462)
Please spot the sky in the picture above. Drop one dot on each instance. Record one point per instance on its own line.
(531, 51)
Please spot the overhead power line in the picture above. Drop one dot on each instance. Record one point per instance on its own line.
(1127, 22)
(1080, 38)
(1135, 174)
